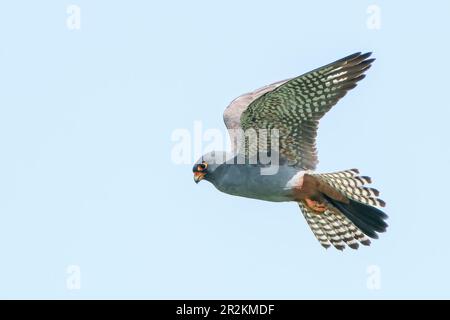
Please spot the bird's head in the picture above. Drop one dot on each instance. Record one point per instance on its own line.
(205, 167)
(200, 171)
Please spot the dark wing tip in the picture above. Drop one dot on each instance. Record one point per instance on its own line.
(366, 55)
(358, 56)
(352, 56)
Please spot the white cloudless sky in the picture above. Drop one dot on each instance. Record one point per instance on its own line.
(87, 179)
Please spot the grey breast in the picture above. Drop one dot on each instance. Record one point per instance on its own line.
(248, 181)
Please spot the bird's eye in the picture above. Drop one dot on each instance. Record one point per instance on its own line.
(202, 166)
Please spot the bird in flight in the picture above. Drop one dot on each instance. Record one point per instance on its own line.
(339, 207)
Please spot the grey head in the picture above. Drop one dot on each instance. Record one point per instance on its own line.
(206, 166)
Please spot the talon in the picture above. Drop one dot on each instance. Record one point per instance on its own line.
(315, 205)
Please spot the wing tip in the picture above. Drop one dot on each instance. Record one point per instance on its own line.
(366, 55)
(358, 58)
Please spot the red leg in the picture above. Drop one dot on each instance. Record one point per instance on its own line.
(315, 205)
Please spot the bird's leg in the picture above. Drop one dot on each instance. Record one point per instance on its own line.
(308, 190)
(315, 205)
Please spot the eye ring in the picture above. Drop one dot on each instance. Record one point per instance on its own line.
(202, 166)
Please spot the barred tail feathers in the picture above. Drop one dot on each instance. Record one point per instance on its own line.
(350, 223)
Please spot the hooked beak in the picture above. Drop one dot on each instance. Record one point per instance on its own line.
(198, 176)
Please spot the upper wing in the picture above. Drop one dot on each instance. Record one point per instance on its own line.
(232, 114)
(294, 107)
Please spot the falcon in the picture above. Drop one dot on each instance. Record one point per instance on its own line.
(339, 207)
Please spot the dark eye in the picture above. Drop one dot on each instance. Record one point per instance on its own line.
(202, 166)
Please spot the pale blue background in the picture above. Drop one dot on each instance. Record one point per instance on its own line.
(86, 176)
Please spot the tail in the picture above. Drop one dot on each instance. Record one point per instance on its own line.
(351, 221)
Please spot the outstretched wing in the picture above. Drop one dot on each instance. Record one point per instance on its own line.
(294, 107)
(232, 114)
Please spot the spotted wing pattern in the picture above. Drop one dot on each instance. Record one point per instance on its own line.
(295, 107)
(232, 114)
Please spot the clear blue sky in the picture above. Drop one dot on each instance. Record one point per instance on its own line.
(87, 179)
